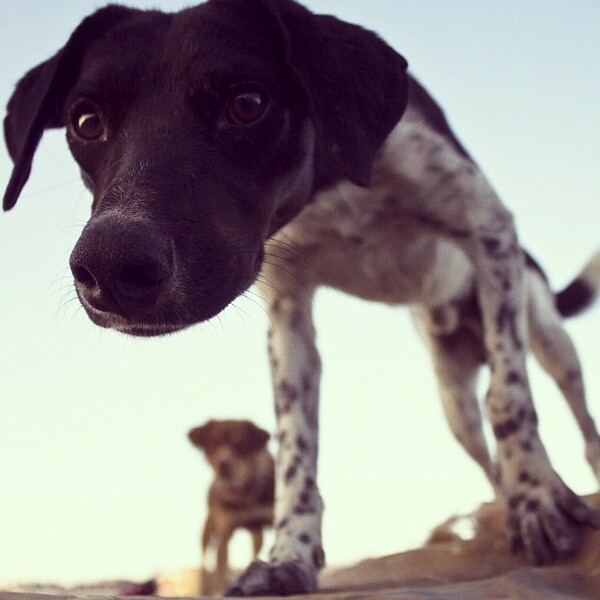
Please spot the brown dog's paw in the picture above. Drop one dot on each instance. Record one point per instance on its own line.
(281, 579)
(546, 525)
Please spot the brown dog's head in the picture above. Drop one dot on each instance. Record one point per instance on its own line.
(231, 448)
(200, 133)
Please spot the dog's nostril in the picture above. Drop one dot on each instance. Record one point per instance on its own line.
(141, 276)
(83, 277)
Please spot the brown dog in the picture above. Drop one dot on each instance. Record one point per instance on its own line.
(242, 492)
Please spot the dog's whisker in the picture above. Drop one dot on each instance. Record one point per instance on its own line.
(248, 295)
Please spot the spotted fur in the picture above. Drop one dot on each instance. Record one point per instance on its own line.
(431, 234)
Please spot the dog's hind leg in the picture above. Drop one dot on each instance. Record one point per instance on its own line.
(556, 353)
(457, 358)
(257, 540)
(205, 542)
(221, 569)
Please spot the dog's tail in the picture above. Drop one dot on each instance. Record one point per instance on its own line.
(581, 293)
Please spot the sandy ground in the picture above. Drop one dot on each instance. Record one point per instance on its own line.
(447, 567)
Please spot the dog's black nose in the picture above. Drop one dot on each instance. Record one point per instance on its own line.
(121, 266)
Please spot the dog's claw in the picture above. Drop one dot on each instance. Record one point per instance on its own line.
(274, 579)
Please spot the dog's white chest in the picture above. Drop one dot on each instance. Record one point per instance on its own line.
(356, 245)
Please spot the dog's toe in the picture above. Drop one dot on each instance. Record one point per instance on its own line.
(280, 579)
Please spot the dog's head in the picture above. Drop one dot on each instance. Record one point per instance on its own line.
(200, 133)
(231, 448)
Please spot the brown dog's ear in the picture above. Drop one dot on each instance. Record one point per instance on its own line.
(199, 435)
(36, 102)
(355, 84)
(256, 437)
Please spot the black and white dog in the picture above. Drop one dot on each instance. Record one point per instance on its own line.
(251, 140)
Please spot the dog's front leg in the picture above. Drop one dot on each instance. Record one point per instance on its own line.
(543, 513)
(297, 554)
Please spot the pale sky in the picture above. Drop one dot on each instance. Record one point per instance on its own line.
(97, 477)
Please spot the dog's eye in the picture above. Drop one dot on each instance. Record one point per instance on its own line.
(246, 108)
(88, 124)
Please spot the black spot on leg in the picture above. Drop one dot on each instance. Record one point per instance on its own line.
(304, 538)
(306, 503)
(318, 556)
(506, 322)
(285, 396)
(292, 470)
(532, 506)
(283, 523)
(525, 477)
(514, 425)
(506, 428)
(491, 246)
(527, 446)
(301, 443)
(288, 390)
(513, 378)
(290, 474)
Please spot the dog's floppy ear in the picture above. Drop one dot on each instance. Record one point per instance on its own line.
(355, 84)
(199, 435)
(256, 437)
(35, 103)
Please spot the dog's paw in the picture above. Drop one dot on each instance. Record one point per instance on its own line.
(545, 522)
(274, 579)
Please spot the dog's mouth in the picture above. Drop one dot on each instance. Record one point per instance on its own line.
(136, 328)
(147, 325)
(179, 302)
(163, 320)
